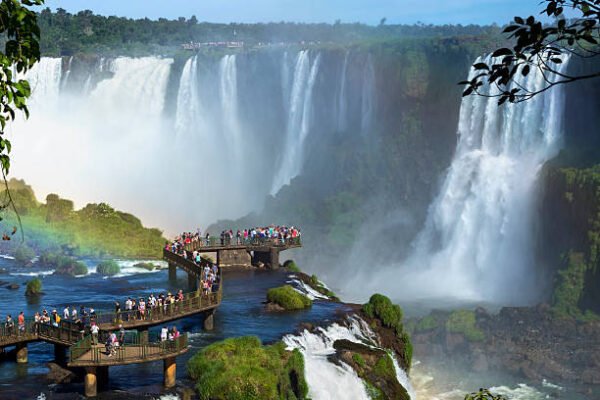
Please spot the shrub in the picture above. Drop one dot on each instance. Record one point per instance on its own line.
(389, 314)
(359, 360)
(291, 266)
(463, 321)
(34, 287)
(24, 254)
(427, 323)
(68, 266)
(108, 268)
(286, 297)
(147, 266)
(242, 368)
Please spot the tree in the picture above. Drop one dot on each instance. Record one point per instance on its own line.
(18, 26)
(542, 47)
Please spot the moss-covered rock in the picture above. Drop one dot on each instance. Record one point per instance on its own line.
(67, 266)
(34, 287)
(288, 298)
(147, 266)
(374, 366)
(242, 368)
(24, 254)
(386, 318)
(108, 268)
(464, 322)
(291, 266)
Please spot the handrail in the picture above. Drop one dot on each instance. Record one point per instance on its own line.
(127, 352)
(234, 242)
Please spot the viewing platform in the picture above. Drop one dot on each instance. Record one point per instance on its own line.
(233, 252)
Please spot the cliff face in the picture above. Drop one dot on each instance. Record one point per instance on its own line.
(570, 221)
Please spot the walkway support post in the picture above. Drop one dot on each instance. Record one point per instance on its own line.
(91, 382)
(209, 321)
(172, 272)
(144, 336)
(22, 353)
(170, 371)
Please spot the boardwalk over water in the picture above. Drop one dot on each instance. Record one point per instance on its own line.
(94, 357)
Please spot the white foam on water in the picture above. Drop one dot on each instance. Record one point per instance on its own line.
(325, 379)
(6, 257)
(306, 290)
(33, 273)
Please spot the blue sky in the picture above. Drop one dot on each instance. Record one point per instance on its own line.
(367, 11)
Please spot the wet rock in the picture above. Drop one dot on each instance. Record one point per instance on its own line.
(13, 286)
(58, 374)
(273, 307)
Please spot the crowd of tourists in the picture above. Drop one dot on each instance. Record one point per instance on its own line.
(274, 233)
(113, 341)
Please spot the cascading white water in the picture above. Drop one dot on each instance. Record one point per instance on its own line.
(229, 104)
(299, 119)
(342, 100)
(477, 241)
(44, 79)
(368, 96)
(101, 146)
(189, 109)
(325, 379)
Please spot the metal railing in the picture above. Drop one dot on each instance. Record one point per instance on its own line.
(194, 301)
(249, 242)
(85, 352)
(13, 334)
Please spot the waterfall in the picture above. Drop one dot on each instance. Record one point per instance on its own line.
(342, 100)
(299, 120)
(477, 242)
(44, 80)
(188, 98)
(325, 379)
(367, 96)
(229, 104)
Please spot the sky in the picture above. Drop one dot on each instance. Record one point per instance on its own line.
(365, 11)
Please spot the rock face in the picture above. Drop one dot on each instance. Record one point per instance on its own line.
(528, 342)
(57, 374)
(374, 366)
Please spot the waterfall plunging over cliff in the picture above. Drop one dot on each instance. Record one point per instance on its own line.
(299, 119)
(477, 242)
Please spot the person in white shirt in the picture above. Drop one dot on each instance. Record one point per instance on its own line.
(163, 333)
(66, 313)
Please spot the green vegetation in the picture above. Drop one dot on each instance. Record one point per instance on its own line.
(146, 265)
(97, 230)
(381, 307)
(34, 287)
(108, 268)
(572, 240)
(286, 297)
(63, 265)
(316, 284)
(291, 266)
(85, 32)
(358, 359)
(242, 368)
(384, 367)
(390, 315)
(24, 254)
(463, 321)
(20, 36)
(427, 323)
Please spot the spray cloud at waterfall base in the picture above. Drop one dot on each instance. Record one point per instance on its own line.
(477, 243)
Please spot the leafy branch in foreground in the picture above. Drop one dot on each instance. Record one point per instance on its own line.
(21, 33)
(542, 47)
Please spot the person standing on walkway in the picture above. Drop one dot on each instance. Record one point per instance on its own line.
(66, 313)
(94, 329)
(121, 335)
(73, 313)
(9, 325)
(163, 333)
(21, 322)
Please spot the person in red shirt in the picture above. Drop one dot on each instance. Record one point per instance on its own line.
(21, 322)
